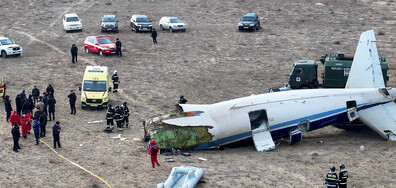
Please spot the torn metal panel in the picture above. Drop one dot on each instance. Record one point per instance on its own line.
(173, 136)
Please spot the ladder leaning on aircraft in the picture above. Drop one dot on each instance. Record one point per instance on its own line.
(277, 115)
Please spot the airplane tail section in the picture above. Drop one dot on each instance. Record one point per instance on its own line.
(366, 69)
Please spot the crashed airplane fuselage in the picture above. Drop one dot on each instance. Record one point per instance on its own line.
(287, 114)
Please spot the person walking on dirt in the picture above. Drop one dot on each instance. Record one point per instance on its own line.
(36, 129)
(331, 178)
(126, 114)
(118, 47)
(116, 81)
(35, 94)
(343, 176)
(110, 117)
(8, 107)
(56, 129)
(154, 35)
(153, 152)
(50, 90)
(51, 106)
(72, 101)
(15, 137)
(74, 51)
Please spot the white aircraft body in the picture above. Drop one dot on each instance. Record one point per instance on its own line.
(292, 113)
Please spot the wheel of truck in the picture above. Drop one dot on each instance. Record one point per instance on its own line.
(161, 27)
(305, 87)
(100, 53)
(3, 54)
(86, 50)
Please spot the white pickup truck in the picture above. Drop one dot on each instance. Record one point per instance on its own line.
(8, 47)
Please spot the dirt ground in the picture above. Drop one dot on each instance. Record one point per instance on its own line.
(210, 62)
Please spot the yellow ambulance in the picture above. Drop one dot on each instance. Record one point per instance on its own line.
(2, 87)
(95, 87)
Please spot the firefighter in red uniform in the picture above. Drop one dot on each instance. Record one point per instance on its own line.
(153, 152)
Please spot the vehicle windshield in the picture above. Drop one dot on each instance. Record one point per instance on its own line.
(109, 19)
(6, 41)
(72, 19)
(104, 41)
(175, 20)
(90, 85)
(142, 20)
(248, 19)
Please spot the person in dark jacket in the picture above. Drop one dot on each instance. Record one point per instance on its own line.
(50, 90)
(118, 47)
(18, 104)
(153, 152)
(15, 137)
(154, 35)
(331, 178)
(43, 123)
(8, 107)
(27, 106)
(44, 98)
(182, 100)
(72, 101)
(74, 51)
(343, 176)
(118, 117)
(35, 94)
(56, 129)
(110, 116)
(116, 81)
(36, 129)
(126, 114)
(23, 95)
(51, 106)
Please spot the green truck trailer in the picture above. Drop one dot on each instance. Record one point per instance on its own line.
(335, 75)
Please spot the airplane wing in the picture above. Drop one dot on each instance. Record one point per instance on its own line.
(382, 119)
(366, 69)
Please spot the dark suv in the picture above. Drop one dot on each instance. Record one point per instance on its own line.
(249, 21)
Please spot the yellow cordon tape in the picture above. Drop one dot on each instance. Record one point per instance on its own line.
(75, 164)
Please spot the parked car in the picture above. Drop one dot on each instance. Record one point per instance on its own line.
(140, 23)
(99, 44)
(109, 23)
(172, 23)
(71, 22)
(8, 47)
(249, 21)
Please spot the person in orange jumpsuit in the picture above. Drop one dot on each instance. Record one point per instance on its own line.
(14, 118)
(153, 152)
(29, 125)
(24, 125)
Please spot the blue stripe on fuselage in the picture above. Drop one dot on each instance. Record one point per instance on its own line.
(284, 128)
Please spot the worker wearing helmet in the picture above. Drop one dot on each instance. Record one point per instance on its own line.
(116, 81)
(110, 117)
(126, 114)
(343, 177)
(331, 178)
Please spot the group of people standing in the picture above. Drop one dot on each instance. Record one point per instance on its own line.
(31, 112)
(120, 114)
(332, 180)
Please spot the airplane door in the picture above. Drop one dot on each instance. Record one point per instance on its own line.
(261, 135)
(351, 110)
